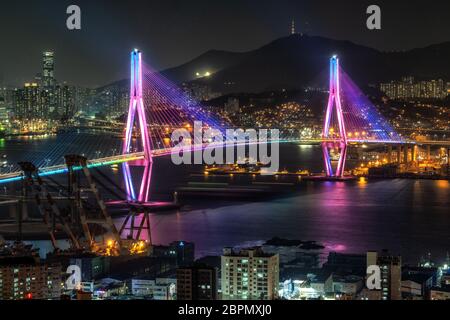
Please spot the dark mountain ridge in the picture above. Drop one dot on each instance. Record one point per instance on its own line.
(297, 61)
(300, 60)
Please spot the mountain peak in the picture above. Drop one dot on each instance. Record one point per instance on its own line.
(295, 61)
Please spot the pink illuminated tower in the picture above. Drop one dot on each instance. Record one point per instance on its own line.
(137, 106)
(334, 140)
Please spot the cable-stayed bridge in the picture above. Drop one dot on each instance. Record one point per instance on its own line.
(158, 107)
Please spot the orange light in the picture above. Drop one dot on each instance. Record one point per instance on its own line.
(443, 184)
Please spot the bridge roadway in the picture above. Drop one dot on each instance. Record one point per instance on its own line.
(107, 161)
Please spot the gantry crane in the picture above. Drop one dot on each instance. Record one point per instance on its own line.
(46, 205)
(77, 163)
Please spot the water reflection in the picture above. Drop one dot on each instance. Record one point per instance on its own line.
(409, 217)
(350, 217)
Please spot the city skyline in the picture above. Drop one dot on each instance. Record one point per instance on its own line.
(203, 27)
(37, 74)
(312, 166)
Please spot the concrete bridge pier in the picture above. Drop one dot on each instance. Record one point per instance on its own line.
(399, 154)
(428, 152)
(414, 152)
(389, 158)
(405, 154)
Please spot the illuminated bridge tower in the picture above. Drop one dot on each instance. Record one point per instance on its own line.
(137, 107)
(334, 140)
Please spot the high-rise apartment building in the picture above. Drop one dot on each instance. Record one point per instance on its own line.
(48, 69)
(67, 101)
(407, 88)
(26, 277)
(197, 282)
(391, 273)
(27, 102)
(4, 116)
(249, 274)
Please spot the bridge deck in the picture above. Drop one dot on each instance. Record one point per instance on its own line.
(106, 161)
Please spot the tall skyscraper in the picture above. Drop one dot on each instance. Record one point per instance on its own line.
(4, 116)
(249, 274)
(4, 119)
(67, 103)
(48, 69)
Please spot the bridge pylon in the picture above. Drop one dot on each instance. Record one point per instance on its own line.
(137, 202)
(137, 108)
(333, 141)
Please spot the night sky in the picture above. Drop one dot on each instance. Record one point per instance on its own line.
(171, 32)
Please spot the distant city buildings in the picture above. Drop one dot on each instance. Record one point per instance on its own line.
(24, 276)
(110, 101)
(415, 285)
(4, 112)
(39, 104)
(197, 282)
(48, 69)
(157, 289)
(391, 273)
(343, 277)
(183, 252)
(232, 105)
(33, 103)
(440, 293)
(249, 274)
(24, 279)
(200, 92)
(408, 88)
(244, 274)
(289, 115)
(91, 266)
